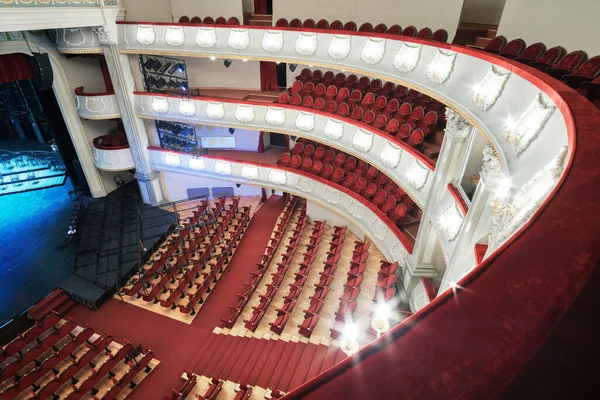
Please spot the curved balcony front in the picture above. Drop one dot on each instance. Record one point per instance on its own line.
(402, 163)
(341, 201)
(112, 157)
(96, 105)
(77, 41)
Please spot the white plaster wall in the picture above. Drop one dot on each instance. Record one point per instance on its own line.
(572, 24)
(317, 213)
(482, 11)
(147, 10)
(202, 72)
(175, 186)
(434, 14)
(248, 6)
(207, 8)
(474, 162)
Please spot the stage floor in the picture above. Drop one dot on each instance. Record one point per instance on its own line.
(32, 226)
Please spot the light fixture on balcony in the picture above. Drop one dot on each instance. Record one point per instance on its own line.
(373, 50)
(145, 34)
(340, 47)
(197, 163)
(334, 129)
(305, 121)
(488, 90)
(172, 160)
(417, 174)
(239, 39)
(408, 57)
(244, 60)
(206, 37)
(275, 116)
(227, 63)
(175, 35)
(244, 113)
(440, 69)
(380, 322)
(272, 41)
(503, 190)
(349, 343)
(306, 43)
(215, 110)
(213, 58)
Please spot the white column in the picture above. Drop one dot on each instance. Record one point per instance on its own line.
(448, 169)
(135, 129)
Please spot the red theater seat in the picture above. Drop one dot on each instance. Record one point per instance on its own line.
(531, 53)
(298, 85)
(307, 101)
(392, 127)
(395, 30)
(350, 26)
(424, 33)
(404, 132)
(327, 171)
(296, 100)
(282, 22)
(296, 161)
(513, 48)
(308, 325)
(331, 106)
(319, 104)
(233, 21)
(336, 25)
(309, 23)
(184, 19)
(346, 311)
(380, 28)
(366, 27)
(320, 90)
(568, 64)
(549, 58)
(221, 21)
(343, 109)
(207, 20)
(416, 138)
(379, 198)
(441, 35)
(284, 98)
(410, 31)
(369, 117)
(380, 121)
(295, 23)
(398, 213)
(285, 159)
(495, 45)
(323, 24)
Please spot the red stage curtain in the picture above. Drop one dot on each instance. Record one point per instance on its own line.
(106, 75)
(15, 67)
(260, 6)
(268, 76)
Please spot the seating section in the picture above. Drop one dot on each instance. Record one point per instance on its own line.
(257, 275)
(173, 277)
(56, 358)
(573, 68)
(209, 20)
(426, 33)
(386, 289)
(363, 179)
(182, 392)
(311, 315)
(395, 110)
(284, 313)
(279, 275)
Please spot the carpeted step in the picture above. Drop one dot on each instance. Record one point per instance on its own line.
(317, 362)
(250, 374)
(207, 357)
(303, 367)
(290, 369)
(47, 304)
(266, 365)
(219, 356)
(207, 340)
(231, 359)
(236, 369)
(284, 363)
(340, 357)
(330, 357)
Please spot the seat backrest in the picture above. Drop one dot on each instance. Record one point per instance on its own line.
(589, 69)
(369, 117)
(409, 31)
(350, 26)
(393, 105)
(282, 22)
(233, 21)
(307, 101)
(380, 28)
(496, 45)
(532, 52)
(317, 74)
(331, 106)
(356, 94)
(308, 23)
(296, 100)
(320, 89)
(197, 20)
(309, 87)
(366, 27)
(441, 35)
(344, 93)
(424, 33)
(343, 109)
(209, 20)
(328, 76)
(405, 109)
(323, 24)
(221, 21)
(395, 30)
(357, 113)
(571, 61)
(376, 84)
(320, 103)
(368, 99)
(336, 25)
(513, 48)
(364, 81)
(295, 23)
(284, 98)
(297, 86)
(392, 126)
(184, 19)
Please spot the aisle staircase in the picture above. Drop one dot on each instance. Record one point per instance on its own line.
(258, 19)
(475, 35)
(282, 364)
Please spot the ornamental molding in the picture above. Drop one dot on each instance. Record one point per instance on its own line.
(491, 171)
(520, 133)
(456, 124)
(490, 88)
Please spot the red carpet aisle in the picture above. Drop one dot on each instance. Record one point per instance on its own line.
(174, 342)
(243, 262)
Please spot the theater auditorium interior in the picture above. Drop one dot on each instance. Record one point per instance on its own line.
(263, 199)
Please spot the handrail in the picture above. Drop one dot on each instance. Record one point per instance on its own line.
(100, 146)
(79, 91)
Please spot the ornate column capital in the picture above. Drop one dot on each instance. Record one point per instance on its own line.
(491, 171)
(457, 125)
(105, 34)
(110, 3)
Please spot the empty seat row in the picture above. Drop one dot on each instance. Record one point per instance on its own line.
(425, 33)
(256, 276)
(184, 390)
(311, 315)
(386, 282)
(289, 300)
(209, 20)
(279, 275)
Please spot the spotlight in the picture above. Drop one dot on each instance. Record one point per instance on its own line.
(382, 311)
(244, 60)
(293, 67)
(238, 185)
(350, 332)
(231, 130)
(173, 69)
(165, 67)
(227, 63)
(181, 68)
(278, 62)
(184, 87)
(310, 66)
(213, 58)
(160, 83)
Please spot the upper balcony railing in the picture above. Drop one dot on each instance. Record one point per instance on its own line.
(77, 41)
(96, 105)
(112, 153)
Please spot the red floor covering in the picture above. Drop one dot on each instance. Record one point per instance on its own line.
(173, 342)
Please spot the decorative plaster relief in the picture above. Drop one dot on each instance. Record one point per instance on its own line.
(73, 36)
(160, 104)
(215, 110)
(331, 195)
(250, 171)
(522, 132)
(175, 35)
(277, 177)
(306, 43)
(172, 160)
(206, 37)
(223, 167)
(91, 104)
(451, 221)
(441, 67)
(408, 57)
(489, 89)
(197, 164)
(275, 116)
(334, 129)
(417, 174)
(145, 34)
(340, 47)
(391, 155)
(373, 50)
(239, 39)
(272, 41)
(491, 170)
(356, 209)
(244, 113)
(379, 229)
(187, 107)
(305, 184)
(305, 121)
(363, 140)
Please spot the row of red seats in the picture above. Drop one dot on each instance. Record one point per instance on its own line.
(17, 346)
(357, 176)
(349, 299)
(184, 390)
(167, 250)
(284, 313)
(425, 33)
(215, 269)
(311, 315)
(279, 275)
(209, 20)
(250, 286)
(574, 68)
(386, 282)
